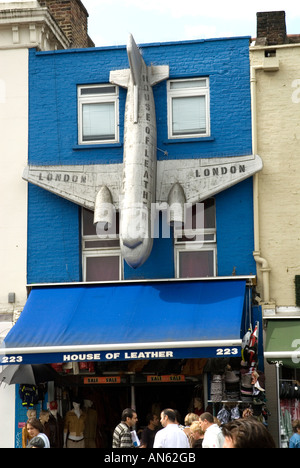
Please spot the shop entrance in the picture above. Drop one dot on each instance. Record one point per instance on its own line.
(110, 391)
(109, 401)
(153, 398)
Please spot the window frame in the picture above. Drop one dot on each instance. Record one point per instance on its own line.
(188, 92)
(188, 247)
(95, 98)
(97, 253)
(105, 251)
(207, 241)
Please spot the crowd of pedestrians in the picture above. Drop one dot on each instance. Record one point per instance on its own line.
(202, 431)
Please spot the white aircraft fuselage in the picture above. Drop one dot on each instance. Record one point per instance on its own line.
(138, 190)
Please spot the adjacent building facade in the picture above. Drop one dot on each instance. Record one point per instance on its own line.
(23, 25)
(274, 61)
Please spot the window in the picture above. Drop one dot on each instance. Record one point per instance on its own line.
(196, 248)
(98, 113)
(101, 255)
(188, 108)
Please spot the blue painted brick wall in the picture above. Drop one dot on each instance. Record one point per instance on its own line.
(54, 224)
(235, 243)
(53, 238)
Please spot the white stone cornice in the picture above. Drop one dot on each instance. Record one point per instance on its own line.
(13, 21)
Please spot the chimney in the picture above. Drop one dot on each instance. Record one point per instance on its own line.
(271, 28)
(72, 18)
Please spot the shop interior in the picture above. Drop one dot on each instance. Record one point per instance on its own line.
(103, 390)
(289, 394)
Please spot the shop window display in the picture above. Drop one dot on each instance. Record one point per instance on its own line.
(237, 387)
(289, 394)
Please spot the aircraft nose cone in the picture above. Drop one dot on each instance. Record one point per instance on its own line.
(137, 255)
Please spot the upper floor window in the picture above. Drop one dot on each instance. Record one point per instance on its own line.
(98, 114)
(188, 108)
(196, 248)
(101, 255)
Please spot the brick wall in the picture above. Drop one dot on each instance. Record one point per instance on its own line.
(54, 225)
(271, 28)
(72, 17)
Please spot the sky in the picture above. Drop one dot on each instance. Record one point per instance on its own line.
(111, 21)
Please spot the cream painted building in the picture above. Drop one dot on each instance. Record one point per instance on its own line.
(278, 138)
(275, 86)
(23, 25)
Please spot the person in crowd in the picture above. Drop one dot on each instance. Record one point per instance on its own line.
(197, 435)
(36, 431)
(36, 442)
(171, 436)
(247, 413)
(149, 432)
(122, 433)
(213, 437)
(188, 420)
(247, 433)
(295, 439)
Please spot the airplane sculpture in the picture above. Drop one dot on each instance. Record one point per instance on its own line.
(141, 182)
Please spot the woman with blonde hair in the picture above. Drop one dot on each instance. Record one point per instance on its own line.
(188, 420)
(197, 434)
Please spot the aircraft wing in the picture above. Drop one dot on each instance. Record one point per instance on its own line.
(79, 184)
(203, 178)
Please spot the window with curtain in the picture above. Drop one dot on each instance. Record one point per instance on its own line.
(188, 108)
(101, 255)
(98, 114)
(196, 247)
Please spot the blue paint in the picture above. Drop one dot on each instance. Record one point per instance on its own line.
(54, 237)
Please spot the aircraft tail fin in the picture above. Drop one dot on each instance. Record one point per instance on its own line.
(135, 60)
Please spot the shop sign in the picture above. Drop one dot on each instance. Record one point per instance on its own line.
(102, 380)
(133, 355)
(165, 378)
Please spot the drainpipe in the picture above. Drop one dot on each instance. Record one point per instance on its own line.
(262, 262)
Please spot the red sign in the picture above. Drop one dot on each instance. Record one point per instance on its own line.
(102, 380)
(165, 378)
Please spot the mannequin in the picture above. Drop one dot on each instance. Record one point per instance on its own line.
(53, 409)
(74, 427)
(56, 426)
(44, 418)
(198, 406)
(31, 414)
(90, 424)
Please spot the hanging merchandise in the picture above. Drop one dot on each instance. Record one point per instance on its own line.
(246, 386)
(216, 388)
(223, 415)
(253, 345)
(87, 366)
(245, 344)
(250, 346)
(232, 384)
(28, 395)
(235, 413)
(57, 367)
(289, 390)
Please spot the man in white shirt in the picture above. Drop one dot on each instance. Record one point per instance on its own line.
(213, 436)
(171, 436)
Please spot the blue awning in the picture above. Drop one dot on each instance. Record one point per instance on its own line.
(105, 322)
